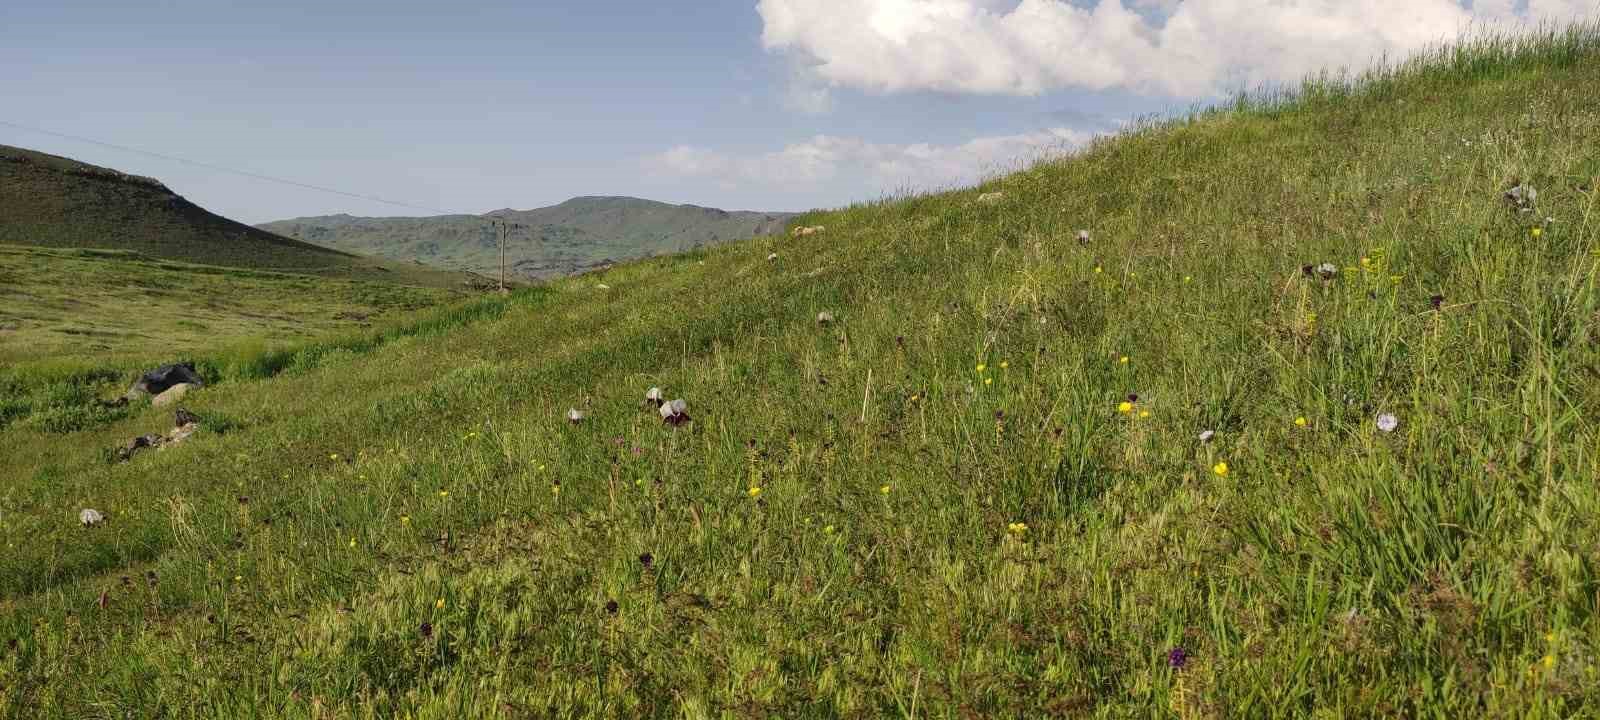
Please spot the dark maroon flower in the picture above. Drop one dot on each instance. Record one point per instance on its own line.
(1436, 301)
(1308, 270)
(1177, 658)
(426, 631)
(611, 607)
(1133, 397)
(646, 559)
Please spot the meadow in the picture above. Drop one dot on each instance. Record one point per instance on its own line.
(1177, 469)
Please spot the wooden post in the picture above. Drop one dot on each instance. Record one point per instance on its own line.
(502, 227)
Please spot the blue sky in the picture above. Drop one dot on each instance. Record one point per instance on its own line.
(471, 106)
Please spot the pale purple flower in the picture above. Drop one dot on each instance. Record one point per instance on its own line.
(1387, 422)
(1206, 436)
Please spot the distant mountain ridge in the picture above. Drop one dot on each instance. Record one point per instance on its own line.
(563, 239)
(52, 201)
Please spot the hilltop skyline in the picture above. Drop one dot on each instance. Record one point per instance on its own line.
(779, 105)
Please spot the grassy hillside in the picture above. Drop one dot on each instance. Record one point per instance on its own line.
(76, 325)
(934, 505)
(55, 202)
(577, 235)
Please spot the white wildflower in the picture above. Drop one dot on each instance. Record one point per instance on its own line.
(1387, 422)
(91, 517)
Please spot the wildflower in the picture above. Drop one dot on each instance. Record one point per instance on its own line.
(753, 491)
(425, 630)
(1549, 661)
(1083, 237)
(334, 456)
(675, 413)
(988, 381)
(827, 530)
(405, 519)
(603, 286)
(444, 493)
(1187, 278)
(611, 607)
(1177, 658)
(915, 397)
(1327, 270)
(91, 517)
(1125, 407)
(555, 488)
(352, 542)
(1387, 422)
(1537, 232)
(1017, 528)
(982, 367)
(439, 605)
(646, 559)
(238, 578)
(1436, 301)
(884, 490)
(772, 256)
(653, 397)
(1221, 469)
(1300, 422)
(1144, 413)
(1004, 364)
(824, 317)
(1123, 360)
(1097, 270)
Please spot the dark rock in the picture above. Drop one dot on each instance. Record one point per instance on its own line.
(157, 381)
(184, 417)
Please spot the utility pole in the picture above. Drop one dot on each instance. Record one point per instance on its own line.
(500, 228)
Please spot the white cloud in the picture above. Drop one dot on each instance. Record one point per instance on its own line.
(853, 164)
(1201, 48)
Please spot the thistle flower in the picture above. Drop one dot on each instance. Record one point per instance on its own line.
(1177, 658)
(1437, 301)
(91, 517)
(574, 416)
(1387, 422)
(675, 413)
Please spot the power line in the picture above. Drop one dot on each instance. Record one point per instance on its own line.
(219, 168)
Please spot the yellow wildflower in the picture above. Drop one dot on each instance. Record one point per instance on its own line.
(1123, 360)
(753, 491)
(1125, 408)
(1144, 413)
(1017, 528)
(988, 381)
(444, 493)
(1538, 232)
(1300, 422)
(439, 605)
(405, 519)
(1004, 364)
(982, 367)
(352, 542)
(1221, 469)
(1549, 661)
(884, 490)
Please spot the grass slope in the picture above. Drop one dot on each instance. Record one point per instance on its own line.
(413, 528)
(55, 202)
(574, 236)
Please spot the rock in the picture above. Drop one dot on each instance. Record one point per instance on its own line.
(90, 517)
(157, 381)
(675, 413)
(172, 394)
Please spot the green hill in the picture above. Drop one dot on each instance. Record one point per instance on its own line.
(577, 235)
(936, 504)
(56, 202)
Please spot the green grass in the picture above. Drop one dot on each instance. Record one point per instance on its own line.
(79, 325)
(411, 528)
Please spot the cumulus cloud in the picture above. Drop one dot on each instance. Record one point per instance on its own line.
(855, 163)
(1183, 48)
